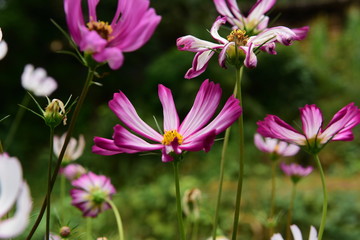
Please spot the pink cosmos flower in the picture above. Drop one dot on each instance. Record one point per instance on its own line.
(72, 171)
(190, 135)
(297, 234)
(238, 46)
(296, 171)
(90, 194)
(132, 26)
(274, 146)
(13, 191)
(313, 135)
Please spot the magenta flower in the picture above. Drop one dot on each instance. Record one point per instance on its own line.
(190, 135)
(132, 26)
(238, 48)
(91, 193)
(296, 171)
(275, 147)
(313, 136)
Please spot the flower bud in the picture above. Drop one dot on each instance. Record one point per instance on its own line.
(55, 113)
(65, 231)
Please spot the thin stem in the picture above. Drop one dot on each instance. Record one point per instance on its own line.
(325, 201)
(51, 140)
(89, 228)
(291, 208)
(221, 178)
(62, 195)
(89, 81)
(178, 199)
(239, 73)
(272, 199)
(118, 219)
(16, 123)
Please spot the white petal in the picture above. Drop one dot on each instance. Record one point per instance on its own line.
(3, 49)
(296, 232)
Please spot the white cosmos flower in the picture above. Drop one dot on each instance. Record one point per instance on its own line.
(297, 234)
(37, 81)
(74, 149)
(14, 191)
(3, 46)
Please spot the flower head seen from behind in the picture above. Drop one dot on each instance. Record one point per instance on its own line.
(35, 80)
(132, 26)
(14, 193)
(313, 135)
(3, 46)
(91, 193)
(297, 234)
(275, 147)
(296, 171)
(195, 133)
(74, 149)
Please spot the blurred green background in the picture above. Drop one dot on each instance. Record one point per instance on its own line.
(324, 69)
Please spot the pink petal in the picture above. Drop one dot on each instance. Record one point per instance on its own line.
(250, 60)
(106, 147)
(215, 28)
(92, 42)
(92, 9)
(301, 33)
(223, 54)
(126, 112)
(257, 12)
(171, 118)
(311, 118)
(113, 56)
(199, 64)
(202, 141)
(194, 44)
(205, 104)
(74, 18)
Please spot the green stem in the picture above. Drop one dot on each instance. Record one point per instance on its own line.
(89, 81)
(195, 232)
(118, 219)
(221, 178)
(62, 196)
(178, 199)
(89, 228)
(325, 201)
(51, 140)
(272, 199)
(241, 157)
(16, 123)
(291, 208)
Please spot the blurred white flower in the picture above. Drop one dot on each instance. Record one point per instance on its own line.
(13, 190)
(37, 81)
(3, 46)
(74, 149)
(297, 234)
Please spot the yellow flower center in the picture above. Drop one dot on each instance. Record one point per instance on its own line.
(239, 37)
(170, 136)
(102, 28)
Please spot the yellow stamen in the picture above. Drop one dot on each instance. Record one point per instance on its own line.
(170, 136)
(238, 36)
(102, 28)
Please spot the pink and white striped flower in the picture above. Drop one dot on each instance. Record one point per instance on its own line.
(313, 135)
(190, 135)
(238, 48)
(91, 193)
(275, 147)
(297, 234)
(13, 191)
(132, 26)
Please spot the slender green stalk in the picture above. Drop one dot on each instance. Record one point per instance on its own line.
(62, 195)
(89, 228)
(51, 140)
(195, 232)
(239, 73)
(221, 178)
(88, 82)
(291, 208)
(272, 199)
(118, 219)
(325, 201)
(178, 199)
(16, 123)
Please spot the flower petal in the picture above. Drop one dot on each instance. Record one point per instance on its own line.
(205, 104)
(107, 147)
(113, 56)
(313, 234)
(199, 64)
(3, 49)
(91, 41)
(215, 28)
(256, 13)
(311, 118)
(194, 44)
(171, 118)
(74, 18)
(301, 33)
(126, 112)
(92, 9)
(296, 232)
(277, 236)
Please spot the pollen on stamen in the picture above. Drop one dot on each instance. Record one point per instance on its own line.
(170, 136)
(101, 27)
(238, 36)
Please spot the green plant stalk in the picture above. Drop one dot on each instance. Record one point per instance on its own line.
(291, 209)
(325, 201)
(221, 178)
(178, 199)
(51, 140)
(16, 123)
(195, 232)
(118, 219)
(88, 82)
(89, 228)
(239, 72)
(62, 195)
(272, 198)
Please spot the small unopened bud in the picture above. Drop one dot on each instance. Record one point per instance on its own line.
(101, 238)
(65, 231)
(191, 202)
(55, 113)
